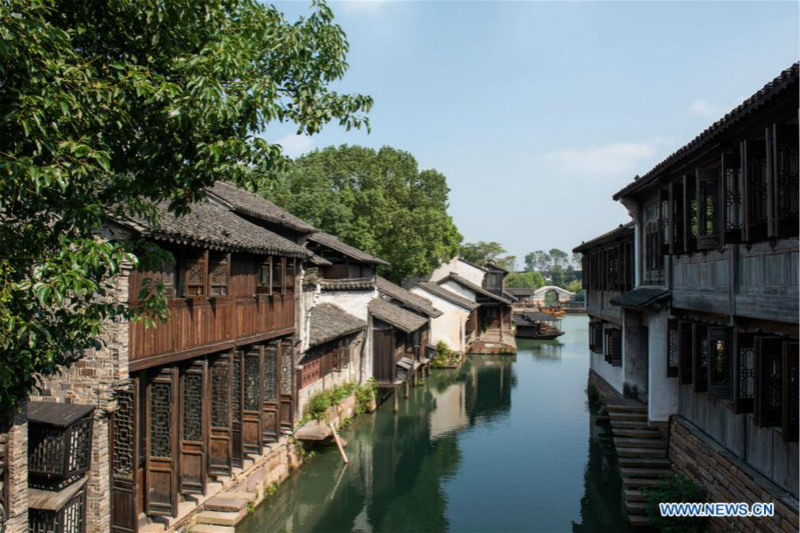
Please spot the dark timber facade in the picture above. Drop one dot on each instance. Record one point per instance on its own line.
(713, 314)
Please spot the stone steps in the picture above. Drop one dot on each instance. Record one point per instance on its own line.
(636, 508)
(657, 453)
(227, 503)
(620, 416)
(219, 518)
(639, 482)
(633, 495)
(211, 528)
(626, 408)
(626, 442)
(628, 424)
(638, 433)
(639, 520)
(645, 472)
(643, 462)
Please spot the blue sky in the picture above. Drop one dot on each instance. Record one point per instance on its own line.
(537, 112)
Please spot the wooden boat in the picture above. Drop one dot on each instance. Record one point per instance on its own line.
(532, 325)
(554, 312)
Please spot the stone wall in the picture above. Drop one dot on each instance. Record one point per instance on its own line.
(17, 465)
(727, 479)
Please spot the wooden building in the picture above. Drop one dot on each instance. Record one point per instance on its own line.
(712, 320)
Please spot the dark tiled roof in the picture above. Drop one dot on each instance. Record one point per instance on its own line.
(472, 264)
(623, 230)
(396, 316)
(326, 239)
(214, 227)
(329, 322)
(319, 261)
(787, 80)
(418, 303)
(472, 286)
(641, 297)
(347, 284)
(508, 296)
(57, 414)
(520, 291)
(254, 205)
(450, 296)
(491, 264)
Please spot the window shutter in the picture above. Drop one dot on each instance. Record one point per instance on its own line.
(700, 359)
(686, 355)
(783, 174)
(732, 195)
(754, 167)
(673, 348)
(676, 218)
(689, 214)
(791, 402)
(719, 362)
(769, 382)
(707, 190)
(219, 273)
(195, 274)
(745, 372)
(664, 227)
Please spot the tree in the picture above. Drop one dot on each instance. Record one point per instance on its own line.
(108, 107)
(525, 280)
(481, 251)
(378, 201)
(577, 260)
(559, 258)
(537, 261)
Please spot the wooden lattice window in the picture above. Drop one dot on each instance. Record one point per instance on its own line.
(784, 170)
(59, 443)
(192, 406)
(700, 358)
(769, 381)
(689, 214)
(252, 382)
(746, 372)
(195, 274)
(733, 195)
(287, 366)
(71, 518)
(596, 337)
(221, 393)
(653, 249)
(755, 190)
(312, 370)
(663, 215)
(612, 272)
(686, 352)
(271, 373)
(166, 275)
(264, 281)
(673, 348)
(291, 266)
(614, 346)
(219, 273)
(707, 209)
(720, 348)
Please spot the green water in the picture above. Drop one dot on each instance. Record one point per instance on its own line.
(506, 444)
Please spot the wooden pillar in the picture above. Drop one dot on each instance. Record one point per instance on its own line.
(406, 389)
(396, 408)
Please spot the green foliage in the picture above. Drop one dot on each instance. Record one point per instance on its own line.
(445, 357)
(675, 488)
(378, 201)
(593, 394)
(341, 392)
(365, 395)
(526, 280)
(111, 106)
(319, 404)
(480, 252)
(272, 488)
(574, 286)
(251, 507)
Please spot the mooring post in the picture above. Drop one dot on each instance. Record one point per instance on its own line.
(339, 444)
(396, 408)
(406, 389)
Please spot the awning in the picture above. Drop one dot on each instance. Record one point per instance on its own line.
(641, 298)
(405, 363)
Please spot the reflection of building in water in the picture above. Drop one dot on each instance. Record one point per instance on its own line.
(488, 389)
(549, 350)
(450, 413)
(601, 505)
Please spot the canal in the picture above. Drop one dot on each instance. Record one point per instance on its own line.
(505, 444)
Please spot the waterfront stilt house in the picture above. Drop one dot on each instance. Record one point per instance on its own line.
(711, 324)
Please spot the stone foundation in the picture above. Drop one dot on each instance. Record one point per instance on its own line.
(603, 387)
(727, 479)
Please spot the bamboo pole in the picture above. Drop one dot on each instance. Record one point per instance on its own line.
(339, 444)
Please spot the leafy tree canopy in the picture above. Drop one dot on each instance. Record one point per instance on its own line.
(525, 280)
(376, 200)
(107, 106)
(480, 252)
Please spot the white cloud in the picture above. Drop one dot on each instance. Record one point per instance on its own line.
(612, 160)
(295, 145)
(702, 107)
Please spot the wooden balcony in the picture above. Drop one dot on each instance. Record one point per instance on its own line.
(204, 325)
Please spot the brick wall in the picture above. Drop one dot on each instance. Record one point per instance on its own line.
(727, 479)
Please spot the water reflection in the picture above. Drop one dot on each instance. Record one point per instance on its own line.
(499, 445)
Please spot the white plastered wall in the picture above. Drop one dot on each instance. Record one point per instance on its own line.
(450, 327)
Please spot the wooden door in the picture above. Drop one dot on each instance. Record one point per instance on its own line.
(219, 453)
(161, 468)
(383, 354)
(269, 403)
(124, 459)
(237, 449)
(193, 428)
(287, 384)
(251, 406)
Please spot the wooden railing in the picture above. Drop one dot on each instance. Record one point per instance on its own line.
(194, 323)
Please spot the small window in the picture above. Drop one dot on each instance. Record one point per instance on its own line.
(707, 209)
(769, 381)
(277, 276)
(219, 274)
(194, 269)
(719, 362)
(733, 185)
(653, 247)
(596, 337)
(746, 372)
(264, 280)
(614, 346)
(676, 245)
(700, 358)
(686, 355)
(290, 273)
(784, 166)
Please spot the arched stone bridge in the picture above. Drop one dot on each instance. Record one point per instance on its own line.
(563, 294)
